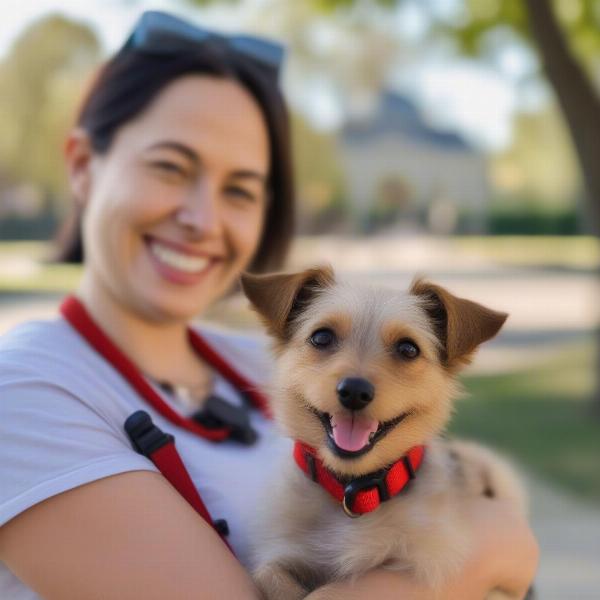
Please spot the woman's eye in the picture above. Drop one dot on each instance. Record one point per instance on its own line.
(169, 168)
(407, 349)
(322, 338)
(238, 192)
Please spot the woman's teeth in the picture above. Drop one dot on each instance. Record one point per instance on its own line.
(177, 260)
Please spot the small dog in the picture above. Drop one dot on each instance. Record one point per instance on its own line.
(365, 384)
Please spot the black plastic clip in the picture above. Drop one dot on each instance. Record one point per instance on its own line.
(221, 526)
(145, 436)
(217, 413)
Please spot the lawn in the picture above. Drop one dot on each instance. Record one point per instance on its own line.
(24, 268)
(572, 252)
(542, 418)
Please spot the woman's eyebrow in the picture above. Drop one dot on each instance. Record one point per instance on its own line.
(248, 174)
(186, 151)
(191, 154)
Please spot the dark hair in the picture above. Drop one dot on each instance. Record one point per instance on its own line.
(129, 82)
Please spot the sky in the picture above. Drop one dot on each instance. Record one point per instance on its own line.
(473, 99)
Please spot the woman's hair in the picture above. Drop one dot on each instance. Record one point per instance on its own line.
(127, 84)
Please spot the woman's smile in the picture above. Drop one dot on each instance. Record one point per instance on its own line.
(179, 264)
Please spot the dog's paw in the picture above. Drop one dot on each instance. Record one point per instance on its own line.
(275, 582)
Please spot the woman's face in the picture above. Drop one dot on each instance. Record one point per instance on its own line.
(175, 209)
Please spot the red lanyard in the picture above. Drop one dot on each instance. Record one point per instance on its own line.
(76, 314)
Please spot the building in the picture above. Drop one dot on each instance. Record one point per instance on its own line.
(400, 169)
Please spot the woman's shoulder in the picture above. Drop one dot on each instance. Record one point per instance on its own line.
(46, 364)
(36, 335)
(35, 343)
(61, 415)
(48, 347)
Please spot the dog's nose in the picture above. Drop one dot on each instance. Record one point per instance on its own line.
(355, 392)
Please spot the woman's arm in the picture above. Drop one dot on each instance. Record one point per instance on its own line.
(128, 536)
(132, 536)
(505, 556)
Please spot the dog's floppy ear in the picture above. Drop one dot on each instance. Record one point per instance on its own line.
(278, 297)
(461, 325)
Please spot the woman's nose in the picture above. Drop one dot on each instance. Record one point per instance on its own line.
(199, 211)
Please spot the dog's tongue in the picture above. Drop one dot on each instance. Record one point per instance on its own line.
(351, 431)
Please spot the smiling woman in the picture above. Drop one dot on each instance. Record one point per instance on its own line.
(178, 202)
(181, 173)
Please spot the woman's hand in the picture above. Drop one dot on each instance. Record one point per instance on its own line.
(504, 556)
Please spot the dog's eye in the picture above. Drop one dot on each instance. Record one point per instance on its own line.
(407, 349)
(322, 338)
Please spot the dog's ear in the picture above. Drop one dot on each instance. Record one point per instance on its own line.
(279, 297)
(461, 325)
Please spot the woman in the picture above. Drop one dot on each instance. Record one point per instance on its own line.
(180, 169)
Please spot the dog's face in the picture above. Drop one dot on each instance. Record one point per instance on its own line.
(365, 373)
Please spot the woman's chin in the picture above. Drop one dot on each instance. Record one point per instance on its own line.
(170, 303)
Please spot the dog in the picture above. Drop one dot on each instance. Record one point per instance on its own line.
(365, 382)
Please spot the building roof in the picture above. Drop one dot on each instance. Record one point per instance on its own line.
(398, 115)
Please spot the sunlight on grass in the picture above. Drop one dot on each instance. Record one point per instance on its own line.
(579, 252)
(24, 268)
(542, 418)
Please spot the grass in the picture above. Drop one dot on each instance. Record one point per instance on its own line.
(542, 418)
(576, 252)
(23, 269)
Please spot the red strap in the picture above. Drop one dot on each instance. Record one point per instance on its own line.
(367, 500)
(76, 314)
(169, 463)
(160, 448)
(228, 372)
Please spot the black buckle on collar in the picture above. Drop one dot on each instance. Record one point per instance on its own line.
(372, 480)
(217, 413)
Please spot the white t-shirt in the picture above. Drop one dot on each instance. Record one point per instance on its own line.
(62, 410)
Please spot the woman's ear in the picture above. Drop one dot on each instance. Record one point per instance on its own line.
(78, 157)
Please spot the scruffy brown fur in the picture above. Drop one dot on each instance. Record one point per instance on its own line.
(306, 540)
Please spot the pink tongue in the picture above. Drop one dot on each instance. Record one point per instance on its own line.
(351, 431)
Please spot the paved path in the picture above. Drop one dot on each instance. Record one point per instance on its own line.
(568, 531)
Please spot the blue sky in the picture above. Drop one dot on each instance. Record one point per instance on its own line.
(474, 99)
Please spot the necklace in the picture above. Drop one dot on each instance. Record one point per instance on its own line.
(191, 397)
(216, 423)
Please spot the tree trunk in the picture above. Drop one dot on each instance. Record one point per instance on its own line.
(580, 104)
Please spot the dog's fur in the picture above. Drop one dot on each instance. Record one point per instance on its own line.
(306, 540)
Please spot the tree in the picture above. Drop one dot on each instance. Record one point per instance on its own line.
(41, 81)
(564, 34)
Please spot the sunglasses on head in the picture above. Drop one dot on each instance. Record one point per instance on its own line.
(163, 34)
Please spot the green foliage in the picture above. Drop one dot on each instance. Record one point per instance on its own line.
(18, 228)
(318, 174)
(579, 19)
(540, 161)
(527, 219)
(41, 81)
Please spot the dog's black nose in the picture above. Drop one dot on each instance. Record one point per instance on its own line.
(355, 392)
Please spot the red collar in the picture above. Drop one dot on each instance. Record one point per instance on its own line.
(76, 314)
(366, 493)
